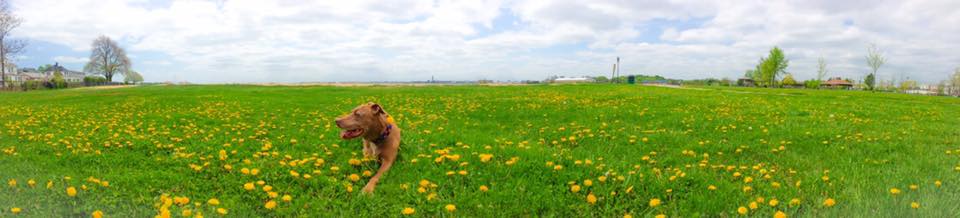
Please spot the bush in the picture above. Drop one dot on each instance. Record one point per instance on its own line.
(94, 80)
(31, 85)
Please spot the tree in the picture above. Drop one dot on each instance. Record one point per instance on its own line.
(954, 83)
(874, 59)
(58, 81)
(43, 68)
(821, 72)
(8, 47)
(788, 80)
(132, 77)
(774, 64)
(908, 85)
(601, 79)
(107, 59)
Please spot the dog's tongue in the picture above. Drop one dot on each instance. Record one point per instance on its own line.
(348, 134)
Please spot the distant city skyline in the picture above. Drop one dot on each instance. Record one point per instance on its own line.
(330, 41)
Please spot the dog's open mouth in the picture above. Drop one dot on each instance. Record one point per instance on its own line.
(349, 134)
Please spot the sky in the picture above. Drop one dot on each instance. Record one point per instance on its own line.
(228, 41)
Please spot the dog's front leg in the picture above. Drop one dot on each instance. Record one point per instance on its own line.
(386, 160)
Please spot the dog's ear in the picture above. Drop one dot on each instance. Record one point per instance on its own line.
(376, 108)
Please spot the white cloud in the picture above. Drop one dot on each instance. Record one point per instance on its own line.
(251, 41)
(71, 60)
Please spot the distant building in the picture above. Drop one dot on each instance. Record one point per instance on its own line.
(574, 80)
(28, 74)
(745, 82)
(68, 75)
(837, 83)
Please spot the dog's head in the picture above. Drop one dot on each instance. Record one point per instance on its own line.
(366, 120)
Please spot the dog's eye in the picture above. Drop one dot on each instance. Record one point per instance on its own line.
(356, 113)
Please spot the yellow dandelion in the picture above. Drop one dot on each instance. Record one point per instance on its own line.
(485, 157)
(222, 211)
(660, 216)
(829, 202)
(795, 202)
(71, 191)
(99, 214)
(774, 202)
(591, 198)
(286, 198)
(213, 201)
(588, 183)
(484, 188)
(408, 211)
(186, 213)
(780, 214)
(575, 188)
(753, 205)
(270, 205)
(267, 188)
(354, 162)
(354, 177)
(742, 210)
(894, 191)
(450, 207)
(711, 188)
(249, 186)
(655, 202)
(15, 210)
(914, 205)
(31, 183)
(12, 183)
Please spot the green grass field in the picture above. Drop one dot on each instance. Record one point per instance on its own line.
(700, 152)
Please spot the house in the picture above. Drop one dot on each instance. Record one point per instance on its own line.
(746, 82)
(69, 76)
(837, 83)
(28, 74)
(574, 80)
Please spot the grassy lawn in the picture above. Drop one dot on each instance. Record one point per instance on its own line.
(700, 152)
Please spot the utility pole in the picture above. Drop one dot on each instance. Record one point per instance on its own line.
(613, 73)
(618, 68)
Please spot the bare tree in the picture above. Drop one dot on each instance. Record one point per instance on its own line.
(821, 69)
(954, 83)
(8, 47)
(107, 59)
(874, 59)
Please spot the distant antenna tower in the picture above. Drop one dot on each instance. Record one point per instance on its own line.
(613, 73)
(618, 68)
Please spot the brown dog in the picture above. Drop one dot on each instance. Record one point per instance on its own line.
(381, 136)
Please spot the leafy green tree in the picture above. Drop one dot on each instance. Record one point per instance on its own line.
(770, 67)
(788, 80)
(58, 81)
(870, 81)
(43, 68)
